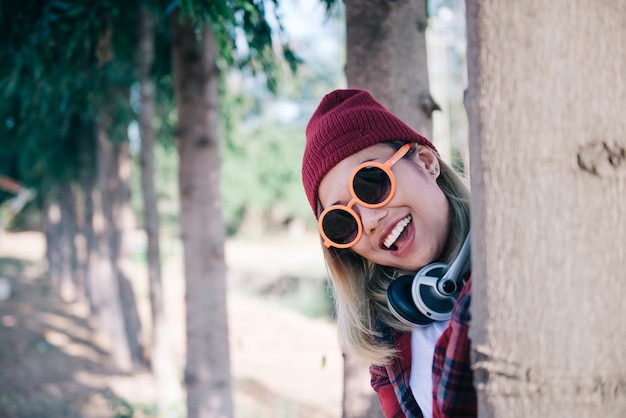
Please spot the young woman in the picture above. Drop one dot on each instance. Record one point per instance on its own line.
(386, 207)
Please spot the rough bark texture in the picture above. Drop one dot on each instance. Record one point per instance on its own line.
(207, 375)
(386, 54)
(547, 93)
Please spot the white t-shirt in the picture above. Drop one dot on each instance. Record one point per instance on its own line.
(423, 340)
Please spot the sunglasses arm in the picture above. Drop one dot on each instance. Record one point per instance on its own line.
(404, 149)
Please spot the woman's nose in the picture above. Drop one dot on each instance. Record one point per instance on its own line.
(371, 218)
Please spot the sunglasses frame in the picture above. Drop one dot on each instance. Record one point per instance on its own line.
(386, 167)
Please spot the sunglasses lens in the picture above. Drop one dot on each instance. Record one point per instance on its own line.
(371, 185)
(340, 226)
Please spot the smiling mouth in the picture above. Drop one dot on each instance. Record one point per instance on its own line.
(393, 236)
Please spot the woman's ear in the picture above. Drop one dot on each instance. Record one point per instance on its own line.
(428, 157)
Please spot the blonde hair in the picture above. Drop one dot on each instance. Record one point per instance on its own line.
(360, 286)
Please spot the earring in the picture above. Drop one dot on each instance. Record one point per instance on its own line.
(435, 170)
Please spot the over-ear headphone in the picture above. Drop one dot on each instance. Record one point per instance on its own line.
(430, 294)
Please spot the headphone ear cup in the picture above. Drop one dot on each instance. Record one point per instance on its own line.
(427, 297)
(401, 304)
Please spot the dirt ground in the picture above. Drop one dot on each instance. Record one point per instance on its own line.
(284, 363)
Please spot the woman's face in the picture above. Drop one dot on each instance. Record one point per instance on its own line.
(412, 229)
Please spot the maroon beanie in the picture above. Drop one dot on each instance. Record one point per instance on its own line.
(345, 122)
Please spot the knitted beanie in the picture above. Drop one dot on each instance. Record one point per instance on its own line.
(345, 122)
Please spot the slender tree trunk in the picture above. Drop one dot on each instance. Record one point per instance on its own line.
(207, 374)
(67, 244)
(87, 183)
(51, 224)
(162, 359)
(121, 225)
(115, 170)
(386, 54)
(106, 290)
(80, 244)
(149, 194)
(546, 104)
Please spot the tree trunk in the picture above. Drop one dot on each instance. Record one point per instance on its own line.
(106, 290)
(119, 223)
(67, 244)
(81, 250)
(162, 359)
(386, 54)
(51, 225)
(546, 107)
(88, 252)
(207, 373)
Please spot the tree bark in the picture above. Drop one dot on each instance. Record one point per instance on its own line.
(207, 374)
(548, 168)
(162, 362)
(386, 54)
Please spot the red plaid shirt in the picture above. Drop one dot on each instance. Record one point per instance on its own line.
(391, 382)
(453, 392)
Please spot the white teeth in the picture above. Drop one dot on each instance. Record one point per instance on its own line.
(397, 230)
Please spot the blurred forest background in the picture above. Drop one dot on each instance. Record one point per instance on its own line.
(92, 257)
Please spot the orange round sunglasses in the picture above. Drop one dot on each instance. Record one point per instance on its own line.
(372, 185)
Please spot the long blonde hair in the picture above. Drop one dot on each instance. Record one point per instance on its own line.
(360, 286)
